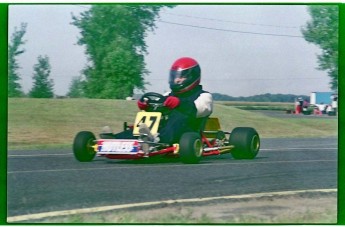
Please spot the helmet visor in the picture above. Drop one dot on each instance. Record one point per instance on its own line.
(177, 77)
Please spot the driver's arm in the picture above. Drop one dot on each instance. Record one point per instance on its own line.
(204, 105)
(200, 107)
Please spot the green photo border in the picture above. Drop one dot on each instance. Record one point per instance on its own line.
(4, 108)
(3, 111)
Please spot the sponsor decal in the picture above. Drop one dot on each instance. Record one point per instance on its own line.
(117, 146)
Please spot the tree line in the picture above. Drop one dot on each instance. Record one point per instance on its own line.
(114, 39)
(260, 98)
(42, 83)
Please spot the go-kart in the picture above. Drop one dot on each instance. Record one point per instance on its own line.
(241, 142)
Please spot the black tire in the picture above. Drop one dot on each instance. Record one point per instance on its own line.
(246, 141)
(190, 148)
(82, 146)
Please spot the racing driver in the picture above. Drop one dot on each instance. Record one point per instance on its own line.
(190, 105)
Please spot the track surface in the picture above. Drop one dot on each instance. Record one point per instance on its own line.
(43, 181)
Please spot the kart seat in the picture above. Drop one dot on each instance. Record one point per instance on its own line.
(211, 127)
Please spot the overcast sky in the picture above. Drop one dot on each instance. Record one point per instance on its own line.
(243, 50)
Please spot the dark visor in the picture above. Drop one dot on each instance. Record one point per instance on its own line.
(175, 74)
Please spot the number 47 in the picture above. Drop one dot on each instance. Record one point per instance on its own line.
(151, 119)
(150, 123)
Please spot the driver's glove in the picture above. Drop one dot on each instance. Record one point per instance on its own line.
(171, 102)
(142, 104)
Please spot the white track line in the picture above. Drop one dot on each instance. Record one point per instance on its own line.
(169, 166)
(145, 204)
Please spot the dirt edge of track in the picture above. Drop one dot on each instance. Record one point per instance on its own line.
(316, 207)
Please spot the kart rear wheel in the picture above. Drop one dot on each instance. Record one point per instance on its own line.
(82, 146)
(190, 148)
(246, 141)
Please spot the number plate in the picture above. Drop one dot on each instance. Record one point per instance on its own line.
(151, 119)
(117, 147)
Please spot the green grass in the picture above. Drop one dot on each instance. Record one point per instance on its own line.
(37, 122)
(270, 127)
(45, 123)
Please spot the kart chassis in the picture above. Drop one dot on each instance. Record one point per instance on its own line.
(241, 142)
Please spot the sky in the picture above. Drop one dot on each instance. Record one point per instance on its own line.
(243, 50)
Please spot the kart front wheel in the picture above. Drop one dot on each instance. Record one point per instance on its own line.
(246, 141)
(82, 146)
(190, 148)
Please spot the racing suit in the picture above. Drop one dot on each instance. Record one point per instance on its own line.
(189, 116)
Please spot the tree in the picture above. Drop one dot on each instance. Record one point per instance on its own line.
(114, 36)
(323, 30)
(43, 86)
(76, 89)
(14, 50)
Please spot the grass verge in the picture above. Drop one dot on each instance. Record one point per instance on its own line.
(296, 209)
(42, 123)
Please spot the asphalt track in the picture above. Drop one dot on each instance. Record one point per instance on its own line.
(52, 180)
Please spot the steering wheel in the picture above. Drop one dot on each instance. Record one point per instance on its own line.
(153, 97)
(154, 100)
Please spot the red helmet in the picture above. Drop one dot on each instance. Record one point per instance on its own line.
(185, 74)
